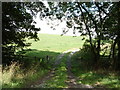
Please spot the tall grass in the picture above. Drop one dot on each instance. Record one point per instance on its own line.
(8, 73)
(18, 75)
(14, 76)
(0, 76)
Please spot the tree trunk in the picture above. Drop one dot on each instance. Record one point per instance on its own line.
(93, 49)
(113, 49)
(98, 49)
(113, 54)
(118, 40)
(118, 56)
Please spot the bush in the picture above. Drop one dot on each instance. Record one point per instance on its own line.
(85, 55)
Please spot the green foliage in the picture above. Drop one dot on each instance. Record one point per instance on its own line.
(100, 78)
(85, 56)
(104, 18)
(99, 20)
(17, 25)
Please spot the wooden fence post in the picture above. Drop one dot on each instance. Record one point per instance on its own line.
(35, 58)
(22, 57)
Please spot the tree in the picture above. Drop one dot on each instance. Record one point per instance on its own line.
(113, 24)
(90, 15)
(17, 25)
(98, 20)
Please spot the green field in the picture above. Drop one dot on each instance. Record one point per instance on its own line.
(56, 43)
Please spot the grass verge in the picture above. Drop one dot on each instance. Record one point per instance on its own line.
(100, 78)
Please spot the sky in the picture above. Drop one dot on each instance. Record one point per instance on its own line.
(57, 24)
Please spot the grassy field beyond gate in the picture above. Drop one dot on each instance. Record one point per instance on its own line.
(56, 43)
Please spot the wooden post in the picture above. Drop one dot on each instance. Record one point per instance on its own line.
(9, 55)
(35, 58)
(47, 58)
(22, 57)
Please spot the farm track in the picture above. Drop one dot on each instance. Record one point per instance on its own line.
(71, 79)
(71, 82)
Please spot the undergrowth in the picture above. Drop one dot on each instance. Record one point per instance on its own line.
(14, 76)
(0, 76)
(87, 75)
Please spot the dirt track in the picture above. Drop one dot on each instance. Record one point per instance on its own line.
(71, 79)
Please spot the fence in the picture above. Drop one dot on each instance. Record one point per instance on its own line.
(21, 57)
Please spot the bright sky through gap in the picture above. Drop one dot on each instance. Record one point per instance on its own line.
(57, 25)
(45, 28)
(60, 25)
